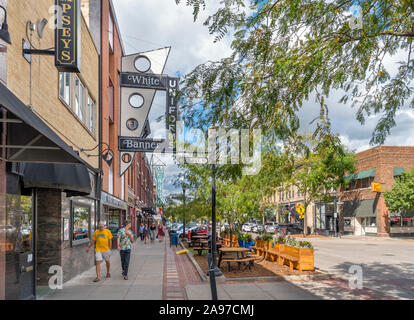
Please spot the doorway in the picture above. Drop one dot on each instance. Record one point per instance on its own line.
(20, 264)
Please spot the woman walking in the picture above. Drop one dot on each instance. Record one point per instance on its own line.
(146, 231)
(152, 232)
(141, 232)
(160, 232)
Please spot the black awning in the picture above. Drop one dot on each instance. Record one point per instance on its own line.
(72, 178)
(149, 210)
(29, 139)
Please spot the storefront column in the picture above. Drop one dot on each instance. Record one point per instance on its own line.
(49, 232)
(383, 224)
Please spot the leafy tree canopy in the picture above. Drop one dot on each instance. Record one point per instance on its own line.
(285, 50)
(401, 197)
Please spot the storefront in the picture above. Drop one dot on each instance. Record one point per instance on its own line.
(36, 168)
(402, 224)
(326, 219)
(115, 212)
(360, 217)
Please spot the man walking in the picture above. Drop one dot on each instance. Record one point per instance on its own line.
(102, 237)
(124, 241)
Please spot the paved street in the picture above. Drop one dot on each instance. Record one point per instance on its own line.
(156, 272)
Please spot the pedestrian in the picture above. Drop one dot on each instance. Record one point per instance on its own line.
(153, 228)
(124, 242)
(103, 239)
(141, 232)
(146, 232)
(161, 233)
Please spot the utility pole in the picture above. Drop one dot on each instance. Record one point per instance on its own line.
(212, 269)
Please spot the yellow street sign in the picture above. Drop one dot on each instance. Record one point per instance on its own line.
(300, 209)
(376, 187)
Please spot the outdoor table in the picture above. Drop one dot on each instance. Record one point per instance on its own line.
(199, 237)
(238, 251)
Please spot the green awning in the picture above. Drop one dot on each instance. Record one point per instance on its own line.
(398, 171)
(360, 208)
(361, 175)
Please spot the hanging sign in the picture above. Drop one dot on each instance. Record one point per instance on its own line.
(132, 144)
(68, 36)
(376, 187)
(144, 81)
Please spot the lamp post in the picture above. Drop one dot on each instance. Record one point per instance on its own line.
(184, 187)
(4, 31)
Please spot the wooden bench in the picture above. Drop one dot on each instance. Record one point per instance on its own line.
(272, 253)
(249, 262)
(291, 260)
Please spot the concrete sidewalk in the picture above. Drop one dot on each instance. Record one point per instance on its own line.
(145, 275)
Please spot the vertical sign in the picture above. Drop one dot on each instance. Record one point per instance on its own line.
(68, 35)
(159, 178)
(171, 116)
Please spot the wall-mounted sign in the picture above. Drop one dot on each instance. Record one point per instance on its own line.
(132, 144)
(171, 115)
(144, 81)
(376, 187)
(68, 37)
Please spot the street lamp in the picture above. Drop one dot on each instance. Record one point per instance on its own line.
(4, 31)
(184, 187)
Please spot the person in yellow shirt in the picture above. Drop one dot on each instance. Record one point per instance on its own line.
(102, 237)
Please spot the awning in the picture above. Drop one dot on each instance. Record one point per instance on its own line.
(360, 208)
(361, 175)
(71, 178)
(149, 210)
(398, 171)
(29, 139)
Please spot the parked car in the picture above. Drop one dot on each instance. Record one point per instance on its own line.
(247, 227)
(258, 228)
(290, 228)
(270, 227)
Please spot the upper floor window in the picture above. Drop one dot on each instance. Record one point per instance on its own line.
(81, 103)
(64, 87)
(79, 100)
(91, 115)
(111, 33)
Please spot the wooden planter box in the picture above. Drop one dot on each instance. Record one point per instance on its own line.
(305, 257)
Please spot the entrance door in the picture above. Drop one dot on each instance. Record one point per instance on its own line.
(19, 248)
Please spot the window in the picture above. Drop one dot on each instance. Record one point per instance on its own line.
(110, 181)
(64, 87)
(91, 115)
(365, 183)
(80, 222)
(111, 33)
(79, 100)
(111, 101)
(293, 193)
(123, 187)
(371, 222)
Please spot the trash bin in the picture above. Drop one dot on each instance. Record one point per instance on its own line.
(174, 239)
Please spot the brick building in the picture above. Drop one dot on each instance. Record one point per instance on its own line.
(364, 211)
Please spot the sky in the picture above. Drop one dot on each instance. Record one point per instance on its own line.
(152, 24)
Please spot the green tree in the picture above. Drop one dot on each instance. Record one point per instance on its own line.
(401, 197)
(283, 51)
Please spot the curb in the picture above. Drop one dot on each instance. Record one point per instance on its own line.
(195, 264)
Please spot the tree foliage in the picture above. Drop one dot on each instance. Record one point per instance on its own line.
(401, 197)
(285, 50)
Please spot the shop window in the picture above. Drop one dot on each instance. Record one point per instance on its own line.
(347, 223)
(79, 100)
(395, 222)
(371, 222)
(408, 221)
(91, 115)
(80, 222)
(365, 183)
(64, 87)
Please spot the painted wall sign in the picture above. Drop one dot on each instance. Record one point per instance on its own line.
(144, 81)
(131, 144)
(68, 37)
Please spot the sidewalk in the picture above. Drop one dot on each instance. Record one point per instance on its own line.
(145, 275)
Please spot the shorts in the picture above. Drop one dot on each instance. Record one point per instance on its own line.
(103, 255)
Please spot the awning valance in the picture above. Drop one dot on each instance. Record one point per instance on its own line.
(398, 171)
(29, 139)
(149, 210)
(72, 178)
(361, 175)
